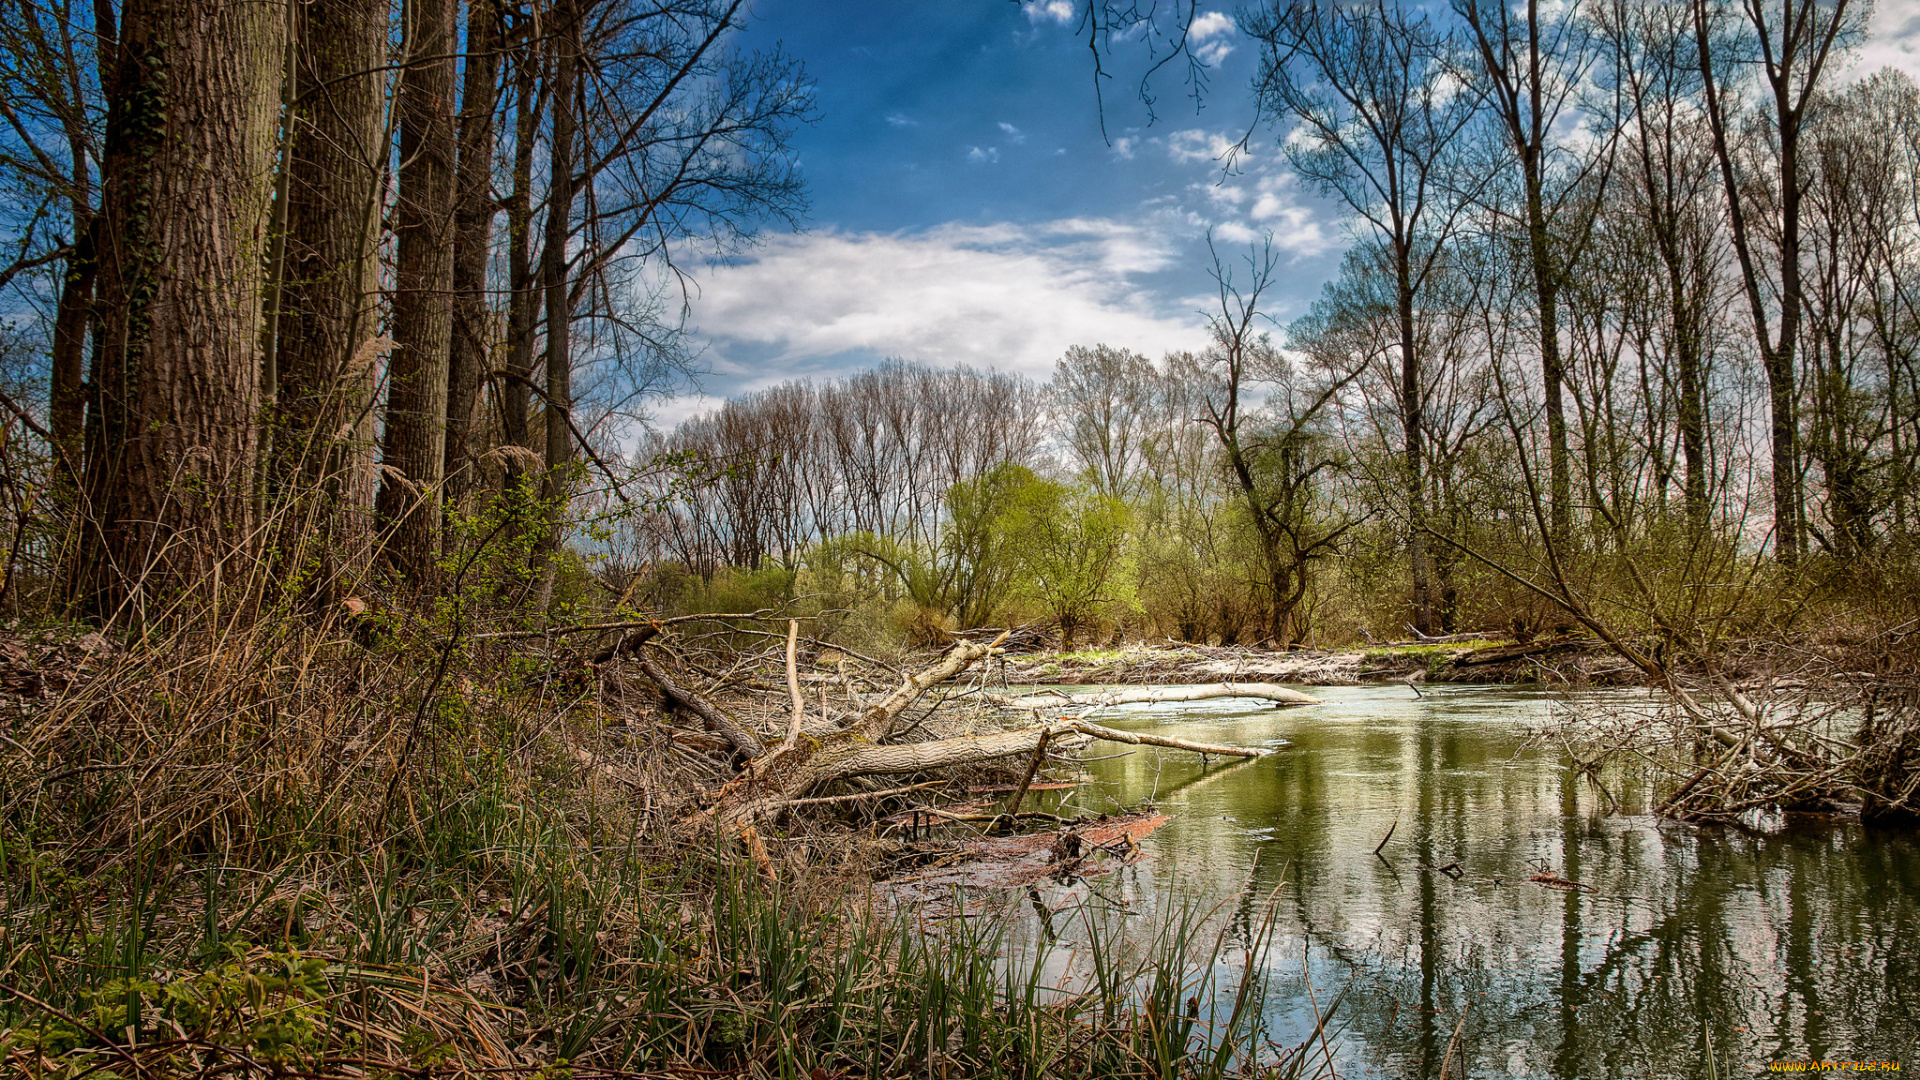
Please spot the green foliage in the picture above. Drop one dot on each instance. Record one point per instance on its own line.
(1071, 545)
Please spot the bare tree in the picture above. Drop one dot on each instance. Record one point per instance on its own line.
(1532, 63)
(1103, 397)
(1793, 42)
(1378, 112)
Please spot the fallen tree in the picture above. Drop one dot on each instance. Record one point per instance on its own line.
(1133, 695)
(821, 751)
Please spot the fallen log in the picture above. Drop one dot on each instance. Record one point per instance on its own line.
(846, 758)
(1133, 695)
(876, 722)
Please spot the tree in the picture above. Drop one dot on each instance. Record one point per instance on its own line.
(1531, 64)
(1070, 544)
(327, 316)
(474, 210)
(1377, 113)
(1793, 40)
(1275, 461)
(1668, 193)
(413, 444)
(1103, 394)
(186, 195)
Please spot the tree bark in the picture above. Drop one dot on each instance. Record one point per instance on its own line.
(325, 361)
(555, 281)
(472, 240)
(192, 110)
(523, 299)
(67, 391)
(414, 446)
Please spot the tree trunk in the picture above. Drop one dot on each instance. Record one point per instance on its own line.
(325, 357)
(555, 281)
(192, 110)
(414, 446)
(473, 237)
(515, 399)
(1280, 695)
(67, 391)
(1546, 286)
(1412, 400)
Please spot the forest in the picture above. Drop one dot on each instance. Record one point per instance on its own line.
(386, 691)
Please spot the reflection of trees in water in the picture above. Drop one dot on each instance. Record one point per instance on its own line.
(1808, 941)
(1791, 948)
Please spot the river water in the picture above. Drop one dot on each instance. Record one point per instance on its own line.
(1795, 943)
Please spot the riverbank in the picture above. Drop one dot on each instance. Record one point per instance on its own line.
(1578, 661)
(1571, 660)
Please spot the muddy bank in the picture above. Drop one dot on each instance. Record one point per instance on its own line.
(1578, 661)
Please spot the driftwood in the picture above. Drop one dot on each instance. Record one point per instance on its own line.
(1148, 694)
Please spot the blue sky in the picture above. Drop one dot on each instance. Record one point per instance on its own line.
(966, 207)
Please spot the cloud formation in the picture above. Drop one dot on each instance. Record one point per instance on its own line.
(1059, 12)
(1211, 37)
(1002, 296)
(1893, 39)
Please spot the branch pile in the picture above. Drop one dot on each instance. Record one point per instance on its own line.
(819, 750)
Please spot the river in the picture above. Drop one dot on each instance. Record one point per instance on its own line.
(1794, 943)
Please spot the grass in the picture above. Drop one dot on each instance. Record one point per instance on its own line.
(270, 849)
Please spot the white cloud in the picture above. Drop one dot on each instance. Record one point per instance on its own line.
(1893, 39)
(901, 120)
(1187, 147)
(977, 156)
(1014, 134)
(1004, 296)
(1296, 228)
(1235, 233)
(673, 410)
(1123, 147)
(1044, 11)
(1211, 37)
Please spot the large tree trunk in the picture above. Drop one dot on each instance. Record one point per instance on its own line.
(555, 281)
(192, 112)
(414, 446)
(326, 363)
(473, 237)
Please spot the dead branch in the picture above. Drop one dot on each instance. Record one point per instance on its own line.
(716, 718)
(876, 722)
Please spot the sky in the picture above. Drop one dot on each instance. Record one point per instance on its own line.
(967, 207)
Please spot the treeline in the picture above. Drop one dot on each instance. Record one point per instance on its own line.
(1628, 331)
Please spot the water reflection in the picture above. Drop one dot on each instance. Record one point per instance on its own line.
(1794, 946)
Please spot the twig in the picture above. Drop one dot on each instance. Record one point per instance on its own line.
(1033, 766)
(1389, 836)
(824, 800)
